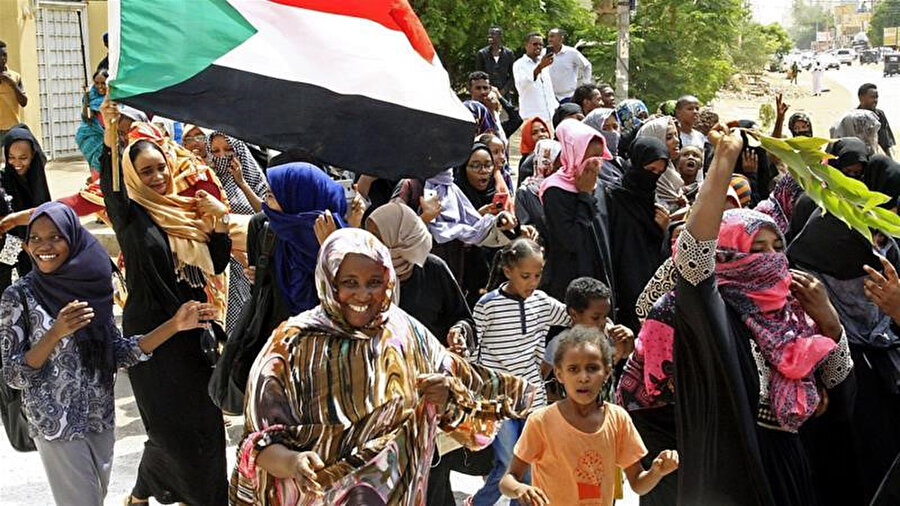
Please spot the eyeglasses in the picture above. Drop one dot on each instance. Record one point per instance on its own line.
(480, 167)
(195, 138)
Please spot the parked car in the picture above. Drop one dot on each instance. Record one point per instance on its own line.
(829, 61)
(846, 56)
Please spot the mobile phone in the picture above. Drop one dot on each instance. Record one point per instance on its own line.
(430, 193)
(349, 192)
(500, 200)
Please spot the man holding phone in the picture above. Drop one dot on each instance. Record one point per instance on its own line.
(533, 81)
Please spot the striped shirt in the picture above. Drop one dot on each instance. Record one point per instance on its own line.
(512, 334)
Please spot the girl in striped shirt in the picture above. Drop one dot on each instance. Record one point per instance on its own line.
(512, 320)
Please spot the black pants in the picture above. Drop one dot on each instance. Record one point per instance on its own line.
(461, 460)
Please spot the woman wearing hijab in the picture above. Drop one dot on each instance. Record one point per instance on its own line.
(428, 291)
(755, 345)
(25, 183)
(669, 188)
(638, 237)
(577, 237)
(299, 193)
(194, 139)
(533, 130)
(61, 347)
(345, 399)
(874, 343)
(862, 124)
(800, 125)
(245, 186)
(176, 249)
(606, 121)
(851, 156)
(529, 209)
(89, 135)
(429, 294)
(632, 114)
(469, 223)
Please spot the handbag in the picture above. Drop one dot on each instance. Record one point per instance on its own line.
(229, 379)
(14, 420)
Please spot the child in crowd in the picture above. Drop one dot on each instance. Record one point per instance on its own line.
(512, 321)
(576, 444)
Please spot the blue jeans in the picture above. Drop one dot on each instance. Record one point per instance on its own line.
(503, 444)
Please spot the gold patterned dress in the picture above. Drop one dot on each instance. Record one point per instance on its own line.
(321, 386)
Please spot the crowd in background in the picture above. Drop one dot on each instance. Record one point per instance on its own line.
(644, 297)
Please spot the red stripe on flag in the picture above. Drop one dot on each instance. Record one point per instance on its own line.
(393, 14)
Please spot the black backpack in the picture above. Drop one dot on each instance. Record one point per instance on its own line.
(229, 378)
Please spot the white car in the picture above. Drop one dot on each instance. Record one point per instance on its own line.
(845, 56)
(829, 61)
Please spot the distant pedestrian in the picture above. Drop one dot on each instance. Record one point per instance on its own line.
(570, 68)
(868, 99)
(533, 80)
(12, 94)
(795, 71)
(818, 78)
(497, 60)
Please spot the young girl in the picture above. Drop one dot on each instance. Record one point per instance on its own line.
(511, 322)
(576, 444)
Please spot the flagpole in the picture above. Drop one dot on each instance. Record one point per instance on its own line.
(114, 124)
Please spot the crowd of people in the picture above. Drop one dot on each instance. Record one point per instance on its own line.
(644, 297)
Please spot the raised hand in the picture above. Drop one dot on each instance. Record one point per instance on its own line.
(666, 462)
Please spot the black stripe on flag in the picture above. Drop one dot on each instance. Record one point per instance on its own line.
(349, 131)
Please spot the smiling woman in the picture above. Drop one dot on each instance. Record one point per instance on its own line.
(61, 347)
(345, 399)
(25, 182)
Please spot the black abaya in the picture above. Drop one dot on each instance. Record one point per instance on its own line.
(184, 456)
(577, 244)
(637, 241)
(431, 296)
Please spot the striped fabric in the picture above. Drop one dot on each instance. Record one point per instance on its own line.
(354, 402)
(512, 334)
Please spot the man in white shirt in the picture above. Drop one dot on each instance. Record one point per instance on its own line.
(570, 68)
(686, 111)
(533, 83)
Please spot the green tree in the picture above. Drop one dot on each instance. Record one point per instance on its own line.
(807, 20)
(886, 15)
(683, 47)
(758, 44)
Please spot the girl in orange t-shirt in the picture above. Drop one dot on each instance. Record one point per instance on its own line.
(575, 445)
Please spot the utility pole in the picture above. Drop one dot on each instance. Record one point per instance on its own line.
(623, 23)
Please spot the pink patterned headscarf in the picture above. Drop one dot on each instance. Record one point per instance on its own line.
(757, 286)
(574, 137)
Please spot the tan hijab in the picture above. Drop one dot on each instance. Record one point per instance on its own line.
(177, 216)
(405, 235)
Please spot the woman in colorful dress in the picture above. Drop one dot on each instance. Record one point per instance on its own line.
(345, 400)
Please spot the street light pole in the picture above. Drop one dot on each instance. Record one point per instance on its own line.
(623, 23)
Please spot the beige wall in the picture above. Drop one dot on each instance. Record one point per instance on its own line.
(97, 26)
(18, 30)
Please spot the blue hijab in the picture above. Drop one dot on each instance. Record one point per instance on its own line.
(86, 276)
(304, 193)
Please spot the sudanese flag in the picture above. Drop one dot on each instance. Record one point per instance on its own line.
(355, 82)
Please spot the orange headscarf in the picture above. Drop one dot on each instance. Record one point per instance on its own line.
(526, 145)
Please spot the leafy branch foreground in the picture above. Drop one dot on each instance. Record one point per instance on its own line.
(845, 197)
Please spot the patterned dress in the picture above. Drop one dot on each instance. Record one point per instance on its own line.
(320, 385)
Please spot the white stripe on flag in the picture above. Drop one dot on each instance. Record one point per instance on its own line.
(114, 29)
(345, 54)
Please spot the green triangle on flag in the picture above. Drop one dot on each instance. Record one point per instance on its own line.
(166, 42)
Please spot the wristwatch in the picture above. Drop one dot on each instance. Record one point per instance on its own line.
(226, 218)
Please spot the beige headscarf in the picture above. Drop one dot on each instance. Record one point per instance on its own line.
(405, 235)
(177, 216)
